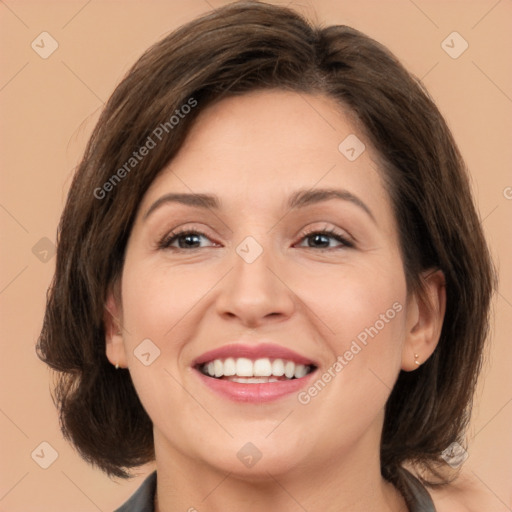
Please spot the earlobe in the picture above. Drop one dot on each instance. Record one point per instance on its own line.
(425, 315)
(114, 343)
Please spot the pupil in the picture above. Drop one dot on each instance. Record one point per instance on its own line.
(321, 239)
(189, 240)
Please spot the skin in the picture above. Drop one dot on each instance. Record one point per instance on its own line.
(253, 152)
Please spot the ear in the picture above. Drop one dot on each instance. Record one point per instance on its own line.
(424, 320)
(112, 319)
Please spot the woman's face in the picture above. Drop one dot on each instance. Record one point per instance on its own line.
(277, 270)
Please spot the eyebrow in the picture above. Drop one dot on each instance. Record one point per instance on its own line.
(299, 199)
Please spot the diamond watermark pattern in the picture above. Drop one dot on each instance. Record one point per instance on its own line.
(44, 45)
(44, 455)
(44, 250)
(454, 45)
(351, 147)
(249, 249)
(146, 352)
(249, 455)
(454, 455)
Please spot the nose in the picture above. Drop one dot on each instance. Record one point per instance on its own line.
(255, 293)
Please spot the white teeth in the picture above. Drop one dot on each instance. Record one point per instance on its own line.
(300, 371)
(229, 367)
(262, 368)
(289, 369)
(218, 367)
(278, 368)
(243, 369)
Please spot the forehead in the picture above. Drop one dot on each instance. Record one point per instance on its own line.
(264, 144)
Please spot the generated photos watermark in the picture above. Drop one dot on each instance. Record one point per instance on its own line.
(356, 346)
(157, 135)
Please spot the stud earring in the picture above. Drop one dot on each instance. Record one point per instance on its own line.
(416, 359)
(117, 366)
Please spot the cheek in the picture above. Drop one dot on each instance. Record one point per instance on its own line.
(156, 306)
(372, 348)
(365, 302)
(156, 298)
(362, 313)
(160, 304)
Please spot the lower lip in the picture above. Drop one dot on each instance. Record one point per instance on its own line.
(255, 393)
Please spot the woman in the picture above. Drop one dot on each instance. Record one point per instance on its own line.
(271, 278)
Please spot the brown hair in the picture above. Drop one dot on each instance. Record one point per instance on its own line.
(232, 50)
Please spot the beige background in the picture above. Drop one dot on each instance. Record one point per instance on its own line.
(48, 108)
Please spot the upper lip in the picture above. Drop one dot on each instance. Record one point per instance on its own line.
(259, 351)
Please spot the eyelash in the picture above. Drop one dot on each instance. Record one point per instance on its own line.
(167, 240)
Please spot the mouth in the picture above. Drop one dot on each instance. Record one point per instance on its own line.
(254, 373)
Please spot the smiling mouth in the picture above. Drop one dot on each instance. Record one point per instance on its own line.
(259, 371)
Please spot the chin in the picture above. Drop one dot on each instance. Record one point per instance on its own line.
(253, 460)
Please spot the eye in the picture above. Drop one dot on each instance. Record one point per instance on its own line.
(190, 239)
(185, 239)
(322, 240)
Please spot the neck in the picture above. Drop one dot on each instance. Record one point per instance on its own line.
(345, 482)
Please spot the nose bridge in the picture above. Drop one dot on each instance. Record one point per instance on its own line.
(252, 262)
(253, 291)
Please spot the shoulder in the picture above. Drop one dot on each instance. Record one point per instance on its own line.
(446, 504)
(466, 494)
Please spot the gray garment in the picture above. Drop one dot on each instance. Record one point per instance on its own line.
(144, 498)
(415, 495)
